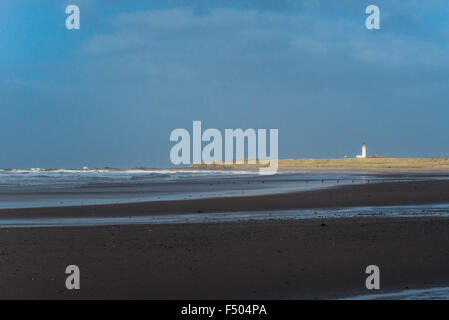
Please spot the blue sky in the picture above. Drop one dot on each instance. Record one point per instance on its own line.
(111, 93)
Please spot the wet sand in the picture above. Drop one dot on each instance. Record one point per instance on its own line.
(246, 260)
(372, 194)
(282, 259)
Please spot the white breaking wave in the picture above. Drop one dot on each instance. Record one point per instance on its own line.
(143, 171)
(76, 177)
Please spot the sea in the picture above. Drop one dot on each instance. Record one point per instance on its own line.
(25, 188)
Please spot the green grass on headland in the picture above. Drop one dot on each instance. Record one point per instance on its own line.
(346, 163)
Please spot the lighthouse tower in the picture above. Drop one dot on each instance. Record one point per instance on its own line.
(363, 150)
(363, 155)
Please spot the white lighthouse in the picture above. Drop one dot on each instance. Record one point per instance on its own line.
(363, 155)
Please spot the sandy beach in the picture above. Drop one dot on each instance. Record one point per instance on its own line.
(252, 260)
(275, 259)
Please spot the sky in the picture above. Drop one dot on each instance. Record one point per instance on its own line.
(111, 93)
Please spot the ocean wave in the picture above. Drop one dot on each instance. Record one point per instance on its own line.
(38, 177)
(142, 171)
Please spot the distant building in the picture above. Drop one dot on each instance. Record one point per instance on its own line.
(363, 155)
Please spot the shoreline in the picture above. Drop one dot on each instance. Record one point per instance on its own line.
(427, 211)
(358, 195)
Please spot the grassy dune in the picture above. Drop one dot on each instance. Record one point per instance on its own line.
(348, 163)
(368, 163)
